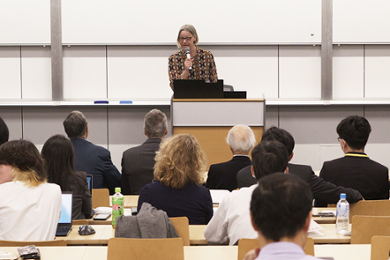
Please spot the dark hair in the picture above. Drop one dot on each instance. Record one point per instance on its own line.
(280, 205)
(28, 164)
(58, 154)
(269, 157)
(75, 124)
(4, 132)
(355, 130)
(277, 134)
(155, 123)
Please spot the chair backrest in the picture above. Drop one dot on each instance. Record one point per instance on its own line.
(100, 198)
(182, 227)
(365, 227)
(80, 222)
(5, 243)
(145, 249)
(370, 208)
(246, 244)
(380, 247)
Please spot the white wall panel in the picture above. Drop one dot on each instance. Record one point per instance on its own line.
(377, 70)
(248, 68)
(84, 72)
(139, 72)
(10, 87)
(36, 73)
(300, 72)
(348, 72)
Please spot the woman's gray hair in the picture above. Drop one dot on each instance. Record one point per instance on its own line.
(189, 28)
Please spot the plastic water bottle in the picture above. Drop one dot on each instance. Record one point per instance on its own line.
(342, 220)
(117, 205)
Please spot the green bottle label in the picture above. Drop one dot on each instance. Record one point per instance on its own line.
(117, 209)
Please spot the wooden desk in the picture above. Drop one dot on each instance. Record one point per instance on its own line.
(331, 236)
(338, 252)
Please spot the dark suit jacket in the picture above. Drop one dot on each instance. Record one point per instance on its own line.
(224, 175)
(361, 173)
(326, 192)
(96, 160)
(137, 166)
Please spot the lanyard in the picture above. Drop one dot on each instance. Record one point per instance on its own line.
(357, 155)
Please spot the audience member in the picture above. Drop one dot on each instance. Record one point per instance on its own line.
(138, 162)
(90, 158)
(224, 175)
(58, 155)
(356, 170)
(232, 221)
(4, 133)
(177, 190)
(280, 213)
(30, 208)
(322, 190)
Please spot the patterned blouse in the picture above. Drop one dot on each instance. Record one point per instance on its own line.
(203, 66)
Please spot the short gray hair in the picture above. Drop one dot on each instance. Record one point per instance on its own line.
(241, 139)
(75, 124)
(155, 123)
(189, 28)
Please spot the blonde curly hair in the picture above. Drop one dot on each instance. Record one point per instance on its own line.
(179, 161)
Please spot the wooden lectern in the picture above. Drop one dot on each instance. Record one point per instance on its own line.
(210, 120)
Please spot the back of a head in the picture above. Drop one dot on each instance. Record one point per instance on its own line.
(155, 124)
(280, 205)
(277, 134)
(180, 160)
(241, 139)
(269, 157)
(4, 132)
(28, 164)
(75, 124)
(355, 130)
(58, 155)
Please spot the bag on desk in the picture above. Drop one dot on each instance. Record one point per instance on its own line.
(29, 252)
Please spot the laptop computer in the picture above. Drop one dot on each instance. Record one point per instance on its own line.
(192, 88)
(90, 182)
(64, 226)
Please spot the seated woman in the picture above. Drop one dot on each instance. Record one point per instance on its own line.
(177, 187)
(29, 206)
(58, 154)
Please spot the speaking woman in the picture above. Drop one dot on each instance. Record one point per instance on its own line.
(200, 64)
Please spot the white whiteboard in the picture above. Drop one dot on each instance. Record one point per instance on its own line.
(361, 21)
(25, 22)
(217, 21)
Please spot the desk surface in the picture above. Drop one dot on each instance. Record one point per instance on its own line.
(338, 252)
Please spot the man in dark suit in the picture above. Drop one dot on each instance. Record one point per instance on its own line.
(224, 175)
(356, 170)
(326, 192)
(90, 158)
(138, 162)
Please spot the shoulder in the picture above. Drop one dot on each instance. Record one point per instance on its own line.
(176, 55)
(51, 187)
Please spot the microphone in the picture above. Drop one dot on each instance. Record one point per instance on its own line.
(188, 54)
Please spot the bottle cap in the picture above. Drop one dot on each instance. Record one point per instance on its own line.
(117, 189)
(342, 195)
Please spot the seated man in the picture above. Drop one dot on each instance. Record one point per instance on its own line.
(231, 221)
(322, 190)
(90, 158)
(356, 170)
(224, 175)
(138, 162)
(280, 212)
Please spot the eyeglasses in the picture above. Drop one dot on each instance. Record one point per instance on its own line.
(338, 138)
(185, 38)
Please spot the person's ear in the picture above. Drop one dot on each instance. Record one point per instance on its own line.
(253, 171)
(291, 156)
(307, 222)
(287, 170)
(253, 223)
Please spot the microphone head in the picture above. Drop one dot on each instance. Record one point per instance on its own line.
(187, 49)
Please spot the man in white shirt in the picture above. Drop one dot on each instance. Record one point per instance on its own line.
(231, 221)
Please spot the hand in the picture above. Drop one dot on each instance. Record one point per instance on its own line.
(188, 64)
(251, 255)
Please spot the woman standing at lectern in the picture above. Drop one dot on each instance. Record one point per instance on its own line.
(200, 64)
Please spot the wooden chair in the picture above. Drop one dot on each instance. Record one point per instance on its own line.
(370, 208)
(365, 227)
(145, 249)
(380, 246)
(100, 198)
(182, 227)
(80, 222)
(246, 244)
(5, 243)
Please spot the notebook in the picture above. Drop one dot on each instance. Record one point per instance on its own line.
(65, 224)
(90, 182)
